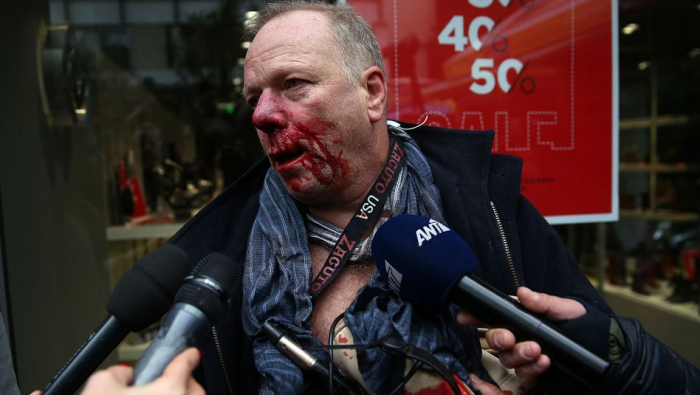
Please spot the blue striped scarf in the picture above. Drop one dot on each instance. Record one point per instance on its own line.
(276, 281)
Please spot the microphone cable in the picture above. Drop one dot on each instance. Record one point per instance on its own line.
(391, 345)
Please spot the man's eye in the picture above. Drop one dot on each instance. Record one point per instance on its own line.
(253, 101)
(293, 83)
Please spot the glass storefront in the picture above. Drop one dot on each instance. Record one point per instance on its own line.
(122, 118)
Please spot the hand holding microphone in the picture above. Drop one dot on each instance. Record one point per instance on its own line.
(176, 379)
(430, 265)
(526, 357)
(201, 301)
(140, 298)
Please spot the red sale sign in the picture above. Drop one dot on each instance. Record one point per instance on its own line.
(541, 74)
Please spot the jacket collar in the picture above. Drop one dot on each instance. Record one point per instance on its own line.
(461, 157)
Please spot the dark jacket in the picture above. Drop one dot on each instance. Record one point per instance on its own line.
(649, 367)
(481, 199)
(641, 364)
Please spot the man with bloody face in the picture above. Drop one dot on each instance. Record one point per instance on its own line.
(321, 119)
(304, 220)
(323, 129)
(315, 78)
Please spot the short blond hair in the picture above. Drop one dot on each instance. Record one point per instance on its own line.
(356, 45)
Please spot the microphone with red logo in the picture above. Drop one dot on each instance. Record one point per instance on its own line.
(429, 265)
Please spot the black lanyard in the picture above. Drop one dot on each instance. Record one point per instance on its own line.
(369, 210)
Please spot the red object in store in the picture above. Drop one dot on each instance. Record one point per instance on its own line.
(690, 260)
(137, 195)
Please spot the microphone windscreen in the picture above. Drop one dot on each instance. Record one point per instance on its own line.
(145, 293)
(421, 258)
(213, 280)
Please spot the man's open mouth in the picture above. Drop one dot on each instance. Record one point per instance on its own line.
(287, 157)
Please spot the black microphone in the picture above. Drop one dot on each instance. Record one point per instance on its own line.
(293, 351)
(200, 302)
(140, 298)
(305, 360)
(429, 265)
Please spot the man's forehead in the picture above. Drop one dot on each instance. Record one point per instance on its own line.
(301, 28)
(282, 58)
(294, 23)
(304, 34)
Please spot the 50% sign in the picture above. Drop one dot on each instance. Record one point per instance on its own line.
(485, 72)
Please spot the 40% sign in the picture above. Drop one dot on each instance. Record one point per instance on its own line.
(485, 73)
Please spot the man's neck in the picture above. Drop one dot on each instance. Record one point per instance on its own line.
(339, 216)
(339, 213)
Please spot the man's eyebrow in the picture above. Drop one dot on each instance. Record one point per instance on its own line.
(246, 91)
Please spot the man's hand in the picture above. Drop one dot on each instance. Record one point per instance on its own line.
(486, 388)
(176, 379)
(526, 357)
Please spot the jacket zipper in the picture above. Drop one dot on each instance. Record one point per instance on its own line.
(221, 359)
(505, 245)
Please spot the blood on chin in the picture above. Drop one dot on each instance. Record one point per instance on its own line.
(306, 184)
(309, 172)
(309, 189)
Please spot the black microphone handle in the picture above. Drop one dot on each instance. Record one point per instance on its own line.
(180, 330)
(499, 310)
(89, 356)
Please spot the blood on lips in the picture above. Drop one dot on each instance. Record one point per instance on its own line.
(304, 143)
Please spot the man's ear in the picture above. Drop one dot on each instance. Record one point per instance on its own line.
(374, 83)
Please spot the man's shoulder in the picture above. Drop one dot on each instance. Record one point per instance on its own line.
(224, 224)
(462, 155)
(427, 134)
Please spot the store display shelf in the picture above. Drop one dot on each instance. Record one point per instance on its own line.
(642, 167)
(660, 215)
(667, 120)
(657, 301)
(155, 231)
